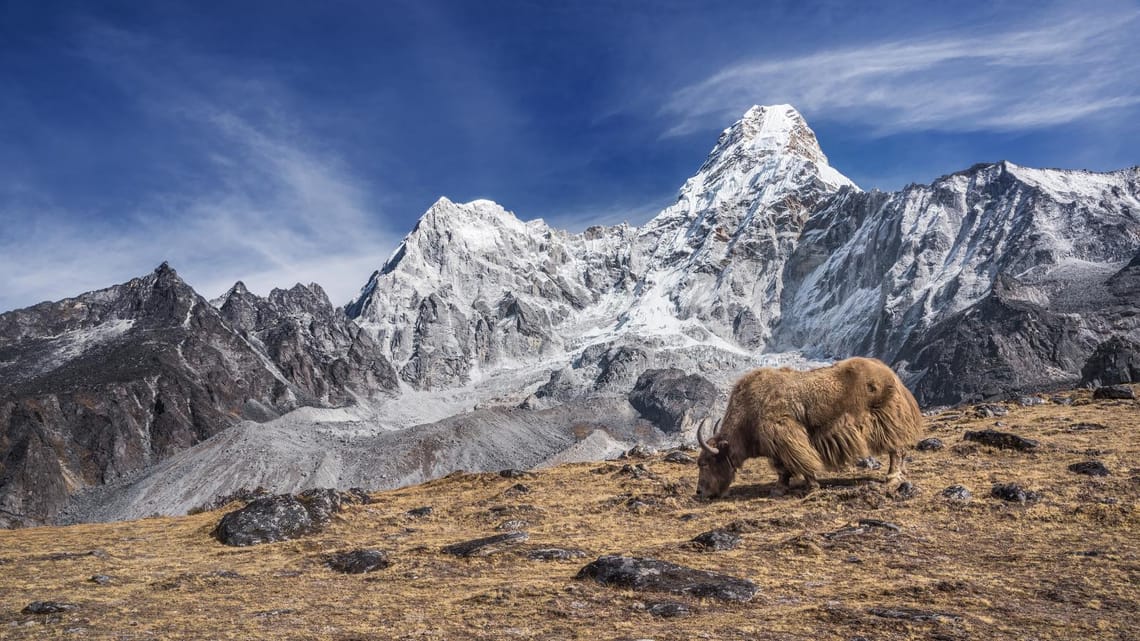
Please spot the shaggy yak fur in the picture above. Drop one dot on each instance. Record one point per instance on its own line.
(806, 421)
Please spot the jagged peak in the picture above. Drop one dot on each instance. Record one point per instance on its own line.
(779, 129)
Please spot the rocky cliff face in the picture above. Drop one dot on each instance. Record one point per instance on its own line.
(97, 387)
(472, 286)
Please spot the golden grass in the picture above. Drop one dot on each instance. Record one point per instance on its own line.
(1066, 567)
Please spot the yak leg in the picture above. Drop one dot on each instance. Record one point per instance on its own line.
(897, 469)
(783, 484)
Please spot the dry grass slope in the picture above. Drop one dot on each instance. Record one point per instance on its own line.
(1065, 567)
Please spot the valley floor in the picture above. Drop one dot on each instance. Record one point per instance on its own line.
(1065, 566)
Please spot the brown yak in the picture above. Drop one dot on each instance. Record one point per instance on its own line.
(806, 421)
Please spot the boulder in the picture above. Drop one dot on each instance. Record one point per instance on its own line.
(665, 396)
(717, 540)
(1002, 440)
(1013, 493)
(282, 517)
(1114, 392)
(1115, 361)
(486, 545)
(1089, 468)
(929, 444)
(48, 607)
(652, 575)
(358, 561)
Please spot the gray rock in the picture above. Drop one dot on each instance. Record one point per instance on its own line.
(679, 458)
(1030, 401)
(957, 493)
(1001, 440)
(989, 410)
(1013, 493)
(276, 518)
(486, 545)
(717, 540)
(48, 607)
(913, 614)
(652, 575)
(358, 561)
(281, 517)
(666, 396)
(1114, 392)
(420, 512)
(1089, 468)
(1116, 361)
(667, 609)
(555, 554)
(868, 463)
(102, 579)
(929, 444)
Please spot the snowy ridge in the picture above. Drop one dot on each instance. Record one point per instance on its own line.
(768, 248)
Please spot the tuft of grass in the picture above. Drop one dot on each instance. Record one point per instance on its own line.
(1066, 566)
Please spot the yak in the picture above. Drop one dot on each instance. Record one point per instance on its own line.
(805, 421)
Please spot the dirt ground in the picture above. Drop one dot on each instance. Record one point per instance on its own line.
(1063, 566)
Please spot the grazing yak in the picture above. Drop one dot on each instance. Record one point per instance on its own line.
(806, 421)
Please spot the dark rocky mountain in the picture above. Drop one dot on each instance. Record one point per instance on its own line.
(101, 386)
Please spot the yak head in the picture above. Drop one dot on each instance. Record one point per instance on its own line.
(715, 464)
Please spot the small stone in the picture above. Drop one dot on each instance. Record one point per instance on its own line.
(48, 607)
(1001, 440)
(358, 561)
(868, 463)
(420, 512)
(486, 545)
(1061, 400)
(1030, 401)
(930, 444)
(512, 525)
(1086, 427)
(680, 458)
(101, 579)
(512, 473)
(906, 490)
(989, 410)
(667, 609)
(639, 451)
(913, 614)
(717, 540)
(1114, 391)
(555, 554)
(1089, 468)
(1013, 493)
(886, 525)
(518, 488)
(957, 493)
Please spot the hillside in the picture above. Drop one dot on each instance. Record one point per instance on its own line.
(1063, 566)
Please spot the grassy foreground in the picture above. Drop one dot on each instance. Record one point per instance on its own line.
(1064, 567)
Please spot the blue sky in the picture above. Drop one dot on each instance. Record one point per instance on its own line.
(277, 142)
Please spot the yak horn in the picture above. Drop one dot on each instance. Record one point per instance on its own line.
(701, 438)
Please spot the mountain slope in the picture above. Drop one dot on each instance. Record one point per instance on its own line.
(847, 562)
(101, 386)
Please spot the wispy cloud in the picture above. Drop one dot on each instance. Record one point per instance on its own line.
(1067, 68)
(269, 206)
